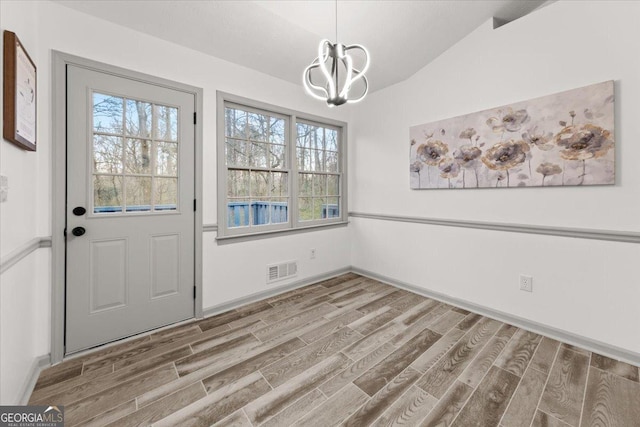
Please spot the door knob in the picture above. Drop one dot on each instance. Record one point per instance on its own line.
(78, 231)
(79, 211)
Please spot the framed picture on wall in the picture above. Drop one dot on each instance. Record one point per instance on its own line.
(20, 94)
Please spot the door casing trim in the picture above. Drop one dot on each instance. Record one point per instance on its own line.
(60, 60)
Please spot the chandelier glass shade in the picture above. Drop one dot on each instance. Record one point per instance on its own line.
(335, 67)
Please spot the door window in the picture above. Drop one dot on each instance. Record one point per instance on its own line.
(135, 155)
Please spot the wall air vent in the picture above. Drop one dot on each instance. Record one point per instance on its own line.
(281, 271)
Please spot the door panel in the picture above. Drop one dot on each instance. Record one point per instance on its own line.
(130, 157)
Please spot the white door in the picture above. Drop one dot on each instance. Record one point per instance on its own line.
(130, 207)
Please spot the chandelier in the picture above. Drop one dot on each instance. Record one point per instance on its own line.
(335, 66)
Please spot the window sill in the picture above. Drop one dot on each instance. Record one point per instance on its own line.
(222, 240)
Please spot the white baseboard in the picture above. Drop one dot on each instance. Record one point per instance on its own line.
(605, 349)
(38, 364)
(271, 292)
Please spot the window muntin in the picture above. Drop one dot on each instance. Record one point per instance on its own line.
(134, 156)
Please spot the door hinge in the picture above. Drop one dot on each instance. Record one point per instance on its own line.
(194, 118)
(194, 205)
(194, 292)
(64, 233)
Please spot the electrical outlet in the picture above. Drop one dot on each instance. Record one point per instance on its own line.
(312, 254)
(526, 283)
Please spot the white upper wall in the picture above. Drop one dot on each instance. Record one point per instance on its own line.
(584, 287)
(566, 45)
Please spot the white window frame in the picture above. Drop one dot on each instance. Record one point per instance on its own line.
(294, 223)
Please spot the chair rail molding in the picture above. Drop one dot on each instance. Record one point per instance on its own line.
(579, 233)
(21, 252)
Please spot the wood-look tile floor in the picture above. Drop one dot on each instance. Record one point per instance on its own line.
(347, 351)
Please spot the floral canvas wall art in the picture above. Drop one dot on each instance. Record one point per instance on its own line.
(563, 139)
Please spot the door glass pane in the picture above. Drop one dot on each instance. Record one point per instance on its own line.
(107, 113)
(107, 154)
(138, 118)
(138, 194)
(167, 159)
(166, 123)
(138, 156)
(107, 193)
(166, 194)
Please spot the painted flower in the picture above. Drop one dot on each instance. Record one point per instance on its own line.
(432, 152)
(466, 154)
(512, 121)
(538, 139)
(468, 133)
(506, 155)
(582, 142)
(416, 166)
(449, 168)
(547, 169)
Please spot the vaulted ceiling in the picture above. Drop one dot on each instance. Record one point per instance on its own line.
(280, 38)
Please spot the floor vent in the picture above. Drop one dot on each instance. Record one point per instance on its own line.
(277, 272)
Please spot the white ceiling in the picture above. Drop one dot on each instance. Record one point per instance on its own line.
(280, 38)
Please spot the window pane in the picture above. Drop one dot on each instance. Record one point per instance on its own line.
(279, 184)
(107, 194)
(305, 159)
(303, 137)
(167, 158)
(319, 207)
(333, 207)
(276, 131)
(107, 154)
(317, 160)
(259, 184)
(318, 141)
(138, 156)
(260, 212)
(138, 193)
(258, 125)
(107, 113)
(166, 194)
(332, 139)
(238, 213)
(333, 185)
(166, 123)
(259, 155)
(304, 184)
(276, 156)
(319, 185)
(237, 154)
(235, 123)
(279, 210)
(305, 208)
(138, 118)
(237, 183)
(332, 162)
